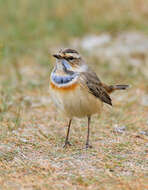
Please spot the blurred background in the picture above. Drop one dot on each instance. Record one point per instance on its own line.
(110, 31)
(112, 36)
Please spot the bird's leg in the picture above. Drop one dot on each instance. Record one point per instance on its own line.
(66, 140)
(87, 140)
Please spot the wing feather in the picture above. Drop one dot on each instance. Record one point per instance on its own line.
(95, 87)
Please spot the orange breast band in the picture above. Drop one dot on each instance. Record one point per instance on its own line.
(64, 88)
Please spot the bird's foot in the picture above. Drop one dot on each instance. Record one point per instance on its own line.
(67, 143)
(88, 146)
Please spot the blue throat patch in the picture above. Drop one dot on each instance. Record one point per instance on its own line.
(66, 64)
(63, 79)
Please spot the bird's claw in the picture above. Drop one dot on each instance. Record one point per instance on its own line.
(88, 146)
(67, 143)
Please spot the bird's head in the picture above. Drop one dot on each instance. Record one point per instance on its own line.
(69, 60)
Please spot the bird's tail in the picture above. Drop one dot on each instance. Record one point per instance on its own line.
(112, 88)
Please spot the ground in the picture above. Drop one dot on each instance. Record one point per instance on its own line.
(32, 132)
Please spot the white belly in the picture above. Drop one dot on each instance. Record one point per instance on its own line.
(76, 103)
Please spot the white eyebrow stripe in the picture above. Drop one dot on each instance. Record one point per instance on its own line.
(75, 55)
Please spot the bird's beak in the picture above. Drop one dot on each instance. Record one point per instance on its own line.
(58, 56)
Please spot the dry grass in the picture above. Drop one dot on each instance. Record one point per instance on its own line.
(32, 132)
(32, 135)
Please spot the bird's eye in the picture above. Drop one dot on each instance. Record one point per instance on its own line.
(70, 58)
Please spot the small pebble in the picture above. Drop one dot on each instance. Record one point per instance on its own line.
(144, 100)
(144, 133)
(119, 129)
(24, 140)
(146, 144)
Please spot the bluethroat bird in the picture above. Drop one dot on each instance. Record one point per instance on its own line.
(76, 90)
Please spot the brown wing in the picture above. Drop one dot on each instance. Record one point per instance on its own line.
(93, 83)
